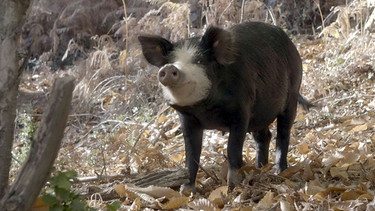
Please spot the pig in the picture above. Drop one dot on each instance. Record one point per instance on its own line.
(237, 80)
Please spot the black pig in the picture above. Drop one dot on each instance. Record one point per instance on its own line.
(238, 80)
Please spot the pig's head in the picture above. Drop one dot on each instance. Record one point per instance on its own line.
(187, 67)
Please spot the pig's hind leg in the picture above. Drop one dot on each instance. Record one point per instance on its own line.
(284, 125)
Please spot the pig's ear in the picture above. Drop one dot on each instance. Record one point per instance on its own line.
(155, 49)
(221, 43)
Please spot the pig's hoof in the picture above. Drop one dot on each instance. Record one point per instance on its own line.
(187, 189)
(234, 178)
(280, 168)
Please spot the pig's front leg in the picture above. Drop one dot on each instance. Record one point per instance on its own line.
(235, 144)
(193, 134)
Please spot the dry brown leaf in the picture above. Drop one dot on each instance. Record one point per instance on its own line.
(359, 128)
(177, 157)
(300, 117)
(202, 204)
(136, 205)
(303, 148)
(286, 206)
(133, 193)
(267, 201)
(290, 171)
(331, 190)
(248, 170)
(345, 205)
(311, 136)
(308, 174)
(120, 190)
(153, 191)
(331, 160)
(39, 205)
(246, 208)
(224, 170)
(366, 196)
(145, 197)
(174, 203)
(349, 158)
(351, 195)
(314, 187)
(162, 119)
(354, 122)
(267, 167)
(216, 196)
(339, 172)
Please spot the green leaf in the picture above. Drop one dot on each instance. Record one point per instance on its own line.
(78, 205)
(71, 174)
(64, 194)
(113, 206)
(57, 208)
(50, 200)
(61, 181)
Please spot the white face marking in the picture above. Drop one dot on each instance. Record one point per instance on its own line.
(194, 84)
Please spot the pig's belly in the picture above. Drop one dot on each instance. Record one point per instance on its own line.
(222, 120)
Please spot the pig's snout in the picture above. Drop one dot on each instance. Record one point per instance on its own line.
(169, 75)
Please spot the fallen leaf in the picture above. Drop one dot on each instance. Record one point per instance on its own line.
(267, 201)
(202, 204)
(331, 190)
(120, 190)
(358, 128)
(177, 157)
(162, 119)
(307, 172)
(339, 172)
(290, 171)
(174, 203)
(216, 196)
(331, 160)
(39, 205)
(136, 205)
(351, 195)
(314, 187)
(246, 208)
(154, 191)
(303, 148)
(349, 158)
(286, 206)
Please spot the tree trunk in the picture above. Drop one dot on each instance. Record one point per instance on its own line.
(44, 149)
(11, 21)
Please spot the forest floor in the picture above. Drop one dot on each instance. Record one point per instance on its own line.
(120, 127)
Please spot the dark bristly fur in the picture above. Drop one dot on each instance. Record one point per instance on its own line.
(255, 73)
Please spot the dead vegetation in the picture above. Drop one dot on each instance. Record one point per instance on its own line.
(119, 124)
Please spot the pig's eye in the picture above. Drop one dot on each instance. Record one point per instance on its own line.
(198, 60)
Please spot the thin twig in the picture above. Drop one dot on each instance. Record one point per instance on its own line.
(230, 3)
(126, 31)
(213, 176)
(242, 10)
(146, 126)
